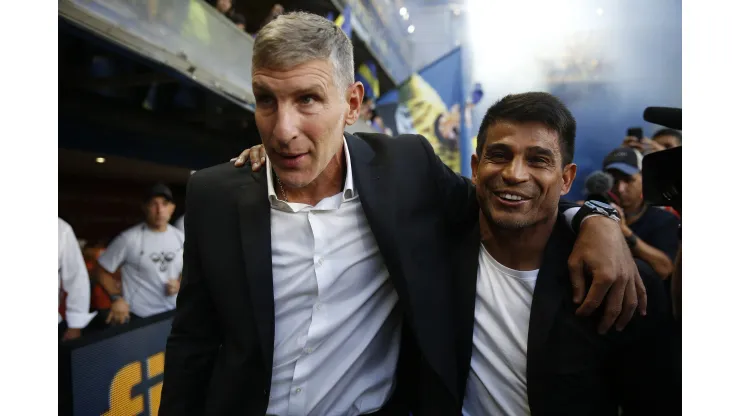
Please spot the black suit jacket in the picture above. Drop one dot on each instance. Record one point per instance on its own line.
(571, 369)
(219, 353)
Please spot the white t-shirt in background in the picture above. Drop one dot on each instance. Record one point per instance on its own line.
(180, 223)
(497, 383)
(148, 260)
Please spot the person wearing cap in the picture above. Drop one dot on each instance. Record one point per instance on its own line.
(149, 256)
(651, 232)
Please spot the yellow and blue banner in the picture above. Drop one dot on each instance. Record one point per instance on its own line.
(367, 74)
(432, 102)
(344, 20)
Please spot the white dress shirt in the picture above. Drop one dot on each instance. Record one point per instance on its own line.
(73, 279)
(148, 260)
(337, 324)
(497, 381)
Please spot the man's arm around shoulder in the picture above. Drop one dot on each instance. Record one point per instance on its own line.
(456, 193)
(194, 339)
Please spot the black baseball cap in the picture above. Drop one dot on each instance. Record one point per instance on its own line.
(160, 189)
(625, 160)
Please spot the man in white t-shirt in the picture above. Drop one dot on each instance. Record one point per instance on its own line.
(523, 349)
(73, 280)
(149, 256)
(180, 223)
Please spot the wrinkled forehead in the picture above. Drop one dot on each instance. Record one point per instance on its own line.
(312, 74)
(520, 136)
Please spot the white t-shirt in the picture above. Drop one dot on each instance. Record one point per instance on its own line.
(180, 223)
(497, 383)
(148, 260)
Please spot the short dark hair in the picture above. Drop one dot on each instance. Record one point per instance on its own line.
(668, 132)
(533, 106)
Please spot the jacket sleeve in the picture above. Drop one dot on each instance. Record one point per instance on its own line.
(456, 193)
(195, 339)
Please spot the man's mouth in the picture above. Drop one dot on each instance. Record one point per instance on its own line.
(290, 160)
(290, 155)
(511, 196)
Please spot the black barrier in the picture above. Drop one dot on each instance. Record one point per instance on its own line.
(117, 371)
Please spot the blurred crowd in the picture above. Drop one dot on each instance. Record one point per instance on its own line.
(651, 232)
(136, 276)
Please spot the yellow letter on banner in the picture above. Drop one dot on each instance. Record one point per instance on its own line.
(121, 402)
(155, 367)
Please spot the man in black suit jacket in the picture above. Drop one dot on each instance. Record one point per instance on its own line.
(522, 349)
(262, 323)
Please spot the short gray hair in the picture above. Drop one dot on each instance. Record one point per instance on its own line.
(296, 38)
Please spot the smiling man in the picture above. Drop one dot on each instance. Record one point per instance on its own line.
(526, 350)
(320, 284)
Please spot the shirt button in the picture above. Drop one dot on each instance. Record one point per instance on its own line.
(298, 390)
(320, 261)
(308, 350)
(318, 306)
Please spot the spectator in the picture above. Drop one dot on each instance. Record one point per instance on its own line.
(240, 21)
(277, 10)
(149, 256)
(74, 281)
(651, 233)
(667, 139)
(99, 300)
(225, 6)
(662, 139)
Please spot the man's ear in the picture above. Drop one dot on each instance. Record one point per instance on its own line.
(355, 94)
(474, 168)
(569, 175)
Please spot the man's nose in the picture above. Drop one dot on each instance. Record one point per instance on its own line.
(285, 128)
(515, 171)
(622, 187)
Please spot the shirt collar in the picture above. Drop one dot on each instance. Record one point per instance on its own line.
(348, 193)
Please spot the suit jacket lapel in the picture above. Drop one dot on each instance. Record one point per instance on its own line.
(549, 293)
(254, 222)
(374, 180)
(374, 184)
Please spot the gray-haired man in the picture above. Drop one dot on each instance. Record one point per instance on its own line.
(319, 285)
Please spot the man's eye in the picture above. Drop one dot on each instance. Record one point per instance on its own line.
(307, 99)
(264, 100)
